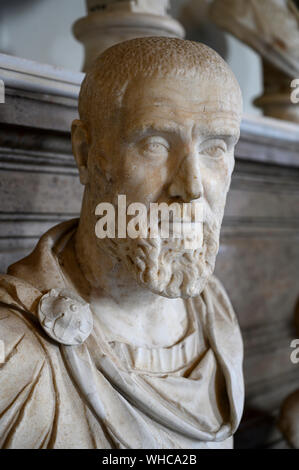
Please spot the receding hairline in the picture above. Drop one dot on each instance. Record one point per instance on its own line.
(106, 82)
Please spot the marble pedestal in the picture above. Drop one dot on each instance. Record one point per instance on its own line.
(122, 20)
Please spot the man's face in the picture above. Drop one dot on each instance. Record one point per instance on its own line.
(172, 141)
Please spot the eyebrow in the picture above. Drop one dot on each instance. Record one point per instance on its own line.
(149, 128)
(225, 132)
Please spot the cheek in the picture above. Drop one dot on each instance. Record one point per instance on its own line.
(141, 181)
(216, 181)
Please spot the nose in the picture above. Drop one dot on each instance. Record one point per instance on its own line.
(187, 183)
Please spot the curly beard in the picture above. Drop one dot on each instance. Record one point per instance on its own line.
(165, 266)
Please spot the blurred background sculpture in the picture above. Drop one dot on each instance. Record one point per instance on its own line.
(271, 28)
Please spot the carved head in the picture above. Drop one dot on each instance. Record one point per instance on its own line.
(159, 120)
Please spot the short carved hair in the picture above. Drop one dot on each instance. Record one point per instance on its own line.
(106, 82)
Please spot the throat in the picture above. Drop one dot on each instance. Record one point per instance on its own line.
(160, 325)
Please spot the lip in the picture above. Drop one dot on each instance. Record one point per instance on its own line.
(180, 221)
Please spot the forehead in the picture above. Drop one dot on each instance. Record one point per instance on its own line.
(171, 100)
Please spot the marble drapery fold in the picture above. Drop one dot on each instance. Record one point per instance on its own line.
(89, 396)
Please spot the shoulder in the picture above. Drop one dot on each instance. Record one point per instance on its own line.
(18, 322)
(217, 287)
(19, 332)
(25, 371)
(16, 290)
(18, 302)
(217, 298)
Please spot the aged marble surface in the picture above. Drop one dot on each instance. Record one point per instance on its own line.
(162, 366)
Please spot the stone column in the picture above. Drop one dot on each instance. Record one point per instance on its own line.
(111, 21)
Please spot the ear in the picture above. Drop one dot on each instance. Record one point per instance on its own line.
(80, 145)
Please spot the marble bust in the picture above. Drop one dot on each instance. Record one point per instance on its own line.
(132, 342)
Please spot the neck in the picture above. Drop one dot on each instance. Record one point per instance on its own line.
(124, 307)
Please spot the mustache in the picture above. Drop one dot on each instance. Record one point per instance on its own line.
(169, 217)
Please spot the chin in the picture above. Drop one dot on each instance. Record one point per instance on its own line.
(164, 266)
(174, 291)
(171, 272)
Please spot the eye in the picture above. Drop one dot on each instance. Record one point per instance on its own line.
(154, 147)
(214, 148)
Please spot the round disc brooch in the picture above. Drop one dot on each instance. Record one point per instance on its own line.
(65, 317)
